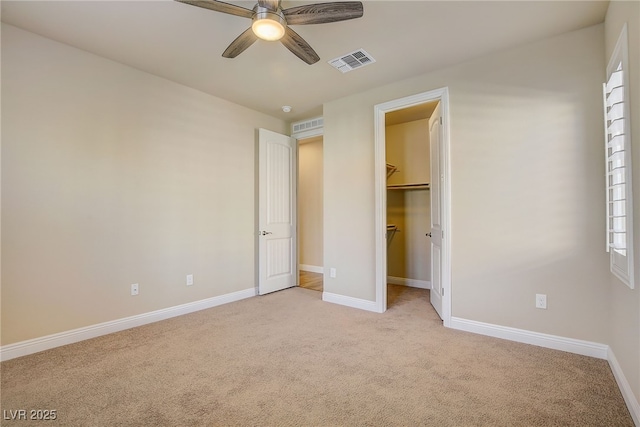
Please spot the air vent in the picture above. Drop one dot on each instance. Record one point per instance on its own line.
(351, 61)
(307, 125)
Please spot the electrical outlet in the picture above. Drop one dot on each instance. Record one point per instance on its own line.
(541, 301)
(189, 279)
(332, 273)
(134, 289)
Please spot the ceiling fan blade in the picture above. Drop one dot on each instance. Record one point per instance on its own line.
(240, 44)
(299, 47)
(321, 13)
(269, 4)
(220, 6)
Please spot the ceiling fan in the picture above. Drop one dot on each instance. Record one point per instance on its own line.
(271, 22)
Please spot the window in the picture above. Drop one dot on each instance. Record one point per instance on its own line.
(618, 167)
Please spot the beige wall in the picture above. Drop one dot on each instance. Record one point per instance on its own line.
(408, 250)
(310, 202)
(111, 176)
(527, 187)
(625, 303)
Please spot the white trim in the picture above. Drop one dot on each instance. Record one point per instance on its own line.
(413, 283)
(632, 402)
(311, 268)
(585, 348)
(380, 167)
(380, 157)
(36, 345)
(358, 303)
(319, 131)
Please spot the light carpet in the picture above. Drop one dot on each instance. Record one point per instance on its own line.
(290, 359)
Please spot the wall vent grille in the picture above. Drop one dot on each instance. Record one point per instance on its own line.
(351, 61)
(307, 125)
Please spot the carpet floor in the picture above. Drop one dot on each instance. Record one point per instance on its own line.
(290, 359)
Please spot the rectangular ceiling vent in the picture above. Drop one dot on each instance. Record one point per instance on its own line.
(351, 61)
(307, 125)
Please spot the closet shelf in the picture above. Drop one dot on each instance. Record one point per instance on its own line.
(417, 186)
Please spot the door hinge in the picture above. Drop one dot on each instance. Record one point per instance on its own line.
(442, 291)
(440, 119)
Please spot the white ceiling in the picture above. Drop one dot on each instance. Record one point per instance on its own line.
(184, 43)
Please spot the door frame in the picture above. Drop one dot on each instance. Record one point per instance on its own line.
(380, 110)
(306, 134)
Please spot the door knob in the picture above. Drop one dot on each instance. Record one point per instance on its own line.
(264, 233)
(428, 234)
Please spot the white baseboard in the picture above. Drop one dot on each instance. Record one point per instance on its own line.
(361, 304)
(311, 268)
(585, 348)
(630, 399)
(414, 283)
(36, 345)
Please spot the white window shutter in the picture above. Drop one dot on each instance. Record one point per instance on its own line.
(618, 165)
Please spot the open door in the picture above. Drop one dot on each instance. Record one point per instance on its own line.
(435, 144)
(277, 253)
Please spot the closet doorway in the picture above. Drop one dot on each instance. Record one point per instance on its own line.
(413, 197)
(310, 213)
(408, 201)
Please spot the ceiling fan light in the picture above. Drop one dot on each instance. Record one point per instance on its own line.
(268, 25)
(268, 29)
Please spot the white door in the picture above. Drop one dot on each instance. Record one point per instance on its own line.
(277, 254)
(435, 143)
